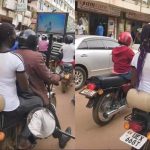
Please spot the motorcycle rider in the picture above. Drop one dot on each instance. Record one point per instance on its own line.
(12, 70)
(122, 56)
(43, 45)
(68, 50)
(39, 74)
(56, 52)
(141, 64)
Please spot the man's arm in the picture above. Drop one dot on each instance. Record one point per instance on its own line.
(44, 73)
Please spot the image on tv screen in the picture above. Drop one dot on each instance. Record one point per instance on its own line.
(55, 23)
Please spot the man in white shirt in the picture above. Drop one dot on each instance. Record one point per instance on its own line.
(80, 28)
(68, 50)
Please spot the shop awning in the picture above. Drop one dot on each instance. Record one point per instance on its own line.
(99, 7)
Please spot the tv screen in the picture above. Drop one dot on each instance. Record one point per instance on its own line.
(55, 23)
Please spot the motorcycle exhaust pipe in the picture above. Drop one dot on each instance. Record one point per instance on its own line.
(113, 112)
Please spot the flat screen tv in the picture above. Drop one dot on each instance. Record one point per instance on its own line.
(52, 23)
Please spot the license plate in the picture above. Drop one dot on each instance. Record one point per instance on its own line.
(67, 76)
(88, 92)
(133, 139)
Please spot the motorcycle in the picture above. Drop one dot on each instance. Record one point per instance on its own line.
(137, 125)
(41, 122)
(107, 96)
(67, 69)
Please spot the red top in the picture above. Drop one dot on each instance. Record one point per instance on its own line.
(122, 57)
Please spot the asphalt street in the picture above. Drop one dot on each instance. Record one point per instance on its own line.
(66, 114)
(91, 136)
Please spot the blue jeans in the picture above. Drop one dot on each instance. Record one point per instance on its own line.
(126, 76)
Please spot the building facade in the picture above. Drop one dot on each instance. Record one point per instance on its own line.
(60, 6)
(9, 14)
(115, 15)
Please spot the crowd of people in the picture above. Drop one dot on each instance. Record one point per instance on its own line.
(23, 76)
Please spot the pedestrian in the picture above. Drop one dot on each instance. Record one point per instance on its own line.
(80, 28)
(100, 30)
(15, 46)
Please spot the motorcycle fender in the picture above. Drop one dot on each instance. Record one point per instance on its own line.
(92, 102)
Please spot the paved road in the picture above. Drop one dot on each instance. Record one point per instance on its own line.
(88, 134)
(91, 136)
(66, 114)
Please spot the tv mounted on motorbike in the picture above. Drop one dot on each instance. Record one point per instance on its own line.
(52, 23)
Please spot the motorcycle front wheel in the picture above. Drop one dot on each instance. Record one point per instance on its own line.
(102, 106)
(64, 87)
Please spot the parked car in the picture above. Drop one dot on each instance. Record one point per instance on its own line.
(93, 57)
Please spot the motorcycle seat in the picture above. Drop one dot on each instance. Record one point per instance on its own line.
(67, 67)
(108, 81)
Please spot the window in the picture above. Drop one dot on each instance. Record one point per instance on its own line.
(95, 44)
(83, 45)
(110, 44)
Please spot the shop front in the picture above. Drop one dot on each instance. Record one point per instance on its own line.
(94, 13)
(131, 21)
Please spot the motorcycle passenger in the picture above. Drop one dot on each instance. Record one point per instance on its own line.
(12, 70)
(56, 52)
(35, 65)
(141, 63)
(39, 74)
(43, 45)
(122, 56)
(68, 50)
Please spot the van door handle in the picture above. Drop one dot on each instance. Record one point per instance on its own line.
(84, 55)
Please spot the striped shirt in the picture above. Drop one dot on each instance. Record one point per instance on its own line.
(56, 50)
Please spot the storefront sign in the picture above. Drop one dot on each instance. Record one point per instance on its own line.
(3, 12)
(138, 16)
(25, 21)
(98, 7)
(19, 17)
(10, 4)
(11, 14)
(28, 14)
(22, 5)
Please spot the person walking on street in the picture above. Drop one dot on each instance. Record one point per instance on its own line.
(100, 30)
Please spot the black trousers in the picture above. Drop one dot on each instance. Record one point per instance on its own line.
(28, 103)
(19, 115)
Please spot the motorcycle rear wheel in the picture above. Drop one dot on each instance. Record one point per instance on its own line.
(100, 108)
